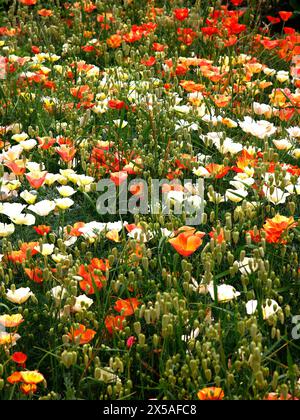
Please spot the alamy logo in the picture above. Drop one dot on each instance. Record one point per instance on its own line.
(156, 197)
(2, 68)
(296, 329)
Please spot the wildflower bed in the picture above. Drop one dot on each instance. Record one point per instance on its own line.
(147, 305)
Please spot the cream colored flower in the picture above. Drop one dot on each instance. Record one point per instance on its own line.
(43, 208)
(66, 191)
(64, 203)
(20, 137)
(6, 229)
(45, 249)
(236, 195)
(225, 293)
(23, 219)
(82, 303)
(19, 296)
(29, 197)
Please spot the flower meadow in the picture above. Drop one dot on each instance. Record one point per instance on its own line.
(144, 305)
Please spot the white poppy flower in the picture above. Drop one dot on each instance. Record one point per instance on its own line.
(6, 229)
(225, 293)
(19, 296)
(43, 208)
(236, 195)
(82, 303)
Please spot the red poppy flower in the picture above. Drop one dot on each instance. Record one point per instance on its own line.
(19, 358)
(273, 20)
(236, 2)
(42, 229)
(28, 2)
(148, 62)
(181, 14)
(158, 47)
(116, 104)
(285, 16)
(118, 177)
(35, 49)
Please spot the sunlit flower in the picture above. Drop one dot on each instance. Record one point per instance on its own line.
(64, 203)
(6, 229)
(45, 249)
(32, 377)
(66, 191)
(268, 310)
(29, 197)
(225, 293)
(43, 208)
(277, 227)
(19, 296)
(11, 321)
(8, 339)
(82, 303)
(236, 195)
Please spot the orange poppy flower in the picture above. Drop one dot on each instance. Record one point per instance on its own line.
(27, 389)
(90, 278)
(18, 168)
(116, 104)
(74, 231)
(211, 394)
(45, 12)
(221, 100)
(79, 92)
(137, 189)
(187, 242)
(36, 180)
(67, 153)
(114, 323)
(35, 274)
(276, 227)
(26, 246)
(113, 235)
(115, 41)
(127, 307)
(14, 378)
(82, 334)
(148, 62)
(218, 171)
(218, 237)
(99, 264)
